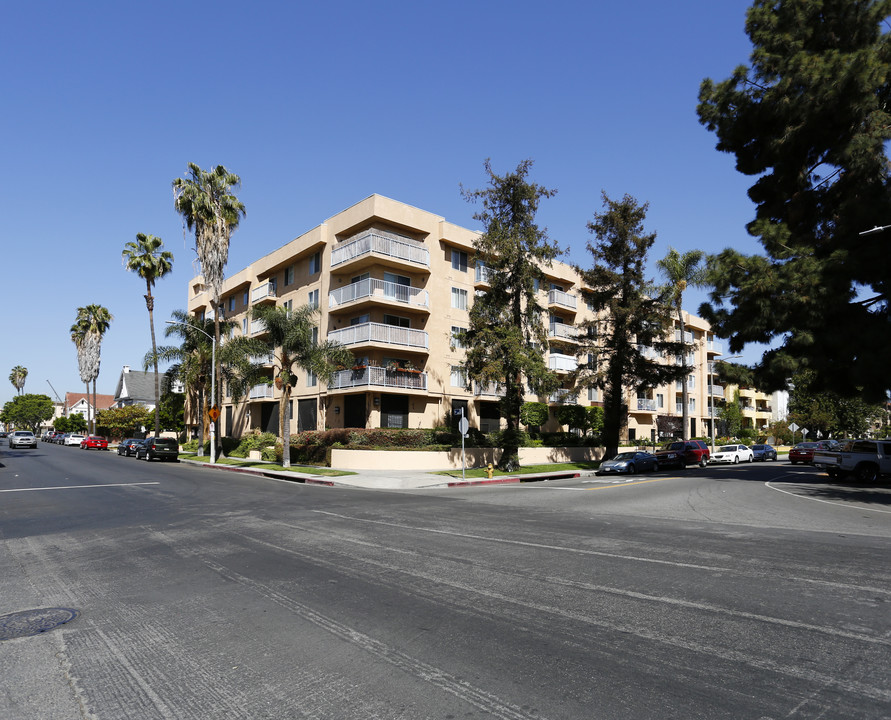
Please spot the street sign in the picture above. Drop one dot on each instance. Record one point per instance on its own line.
(463, 426)
(214, 413)
(793, 427)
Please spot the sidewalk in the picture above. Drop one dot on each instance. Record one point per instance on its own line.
(390, 479)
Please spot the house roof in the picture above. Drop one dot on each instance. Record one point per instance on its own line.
(135, 386)
(103, 402)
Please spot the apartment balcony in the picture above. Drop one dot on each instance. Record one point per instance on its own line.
(688, 336)
(562, 299)
(379, 333)
(713, 347)
(261, 359)
(563, 332)
(691, 360)
(679, 385)
(261, 392)
(258, 328)
(264, 293)
(714, 412)
(716, 390)
(379, 377)
(648, 352)
(679, 408)
(482, 275)
(563, 396)
(373, 290)
(490, 390)
(562, 363)
(376, 247)
(646, 405)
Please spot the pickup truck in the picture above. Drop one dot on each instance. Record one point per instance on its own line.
(866, 460)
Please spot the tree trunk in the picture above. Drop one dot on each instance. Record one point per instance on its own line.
(93, 431)
(684, 392)
(150, 304)
(284, 422)
(219, 376)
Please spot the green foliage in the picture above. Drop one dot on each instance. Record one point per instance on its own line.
(534, 414)
(124, 422)
(506, 322)
(809, 121)
(172, 412)
(635, 316)
(72, 424)
(827, 412)
(575, 416)
(253, 441)
(27, 411)
(731, 416)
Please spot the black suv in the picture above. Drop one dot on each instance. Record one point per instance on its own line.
(158, 447)
(682, 453)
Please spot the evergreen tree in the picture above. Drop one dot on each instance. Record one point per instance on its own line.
(633, 315)
(507, 334)
(809, 118)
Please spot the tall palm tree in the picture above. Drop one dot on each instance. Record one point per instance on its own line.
(17, 377)
(89, 328)
(146, 259)
(207, 203)
(682, 271)
(291, 341)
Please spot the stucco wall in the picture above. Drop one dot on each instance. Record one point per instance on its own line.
(450, 460)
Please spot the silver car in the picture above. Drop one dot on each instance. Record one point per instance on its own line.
(22, 438)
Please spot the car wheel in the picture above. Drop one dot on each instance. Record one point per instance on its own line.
(703, 462)
(631, 469)
(866, 473)
(751, 458)
(736, 459)
(794, 462)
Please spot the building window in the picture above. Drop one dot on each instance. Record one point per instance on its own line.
(314, 298)
(361, 320)
(660, 401)
(315, 264)
(535, 284)
(459, 260)
(288, 305)
(311, 379)
(244, 326)
(315, 336)
(632, 434)
(232, 304)
(458, 377)
(593, 395)
(244, 298)
(289, 275)
(456, 339)
(397, 321)
(459, 298)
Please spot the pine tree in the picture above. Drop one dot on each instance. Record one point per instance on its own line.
(810, 119)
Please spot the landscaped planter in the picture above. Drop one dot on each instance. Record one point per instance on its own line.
(422, 460)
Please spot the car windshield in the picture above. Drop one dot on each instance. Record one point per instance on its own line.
(674, 446)
(727, 448)
(624, 456)
(806, 446)
(758, 447)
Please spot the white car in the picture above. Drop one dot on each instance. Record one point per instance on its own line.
(733, 454)
(22, 438)
(74, 439)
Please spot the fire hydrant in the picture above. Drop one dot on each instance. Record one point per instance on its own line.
(489, 470)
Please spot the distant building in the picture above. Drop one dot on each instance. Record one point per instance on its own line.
(81, 403)
(138, 388)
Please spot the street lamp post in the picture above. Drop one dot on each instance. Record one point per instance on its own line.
(711, 397)
(213, 385)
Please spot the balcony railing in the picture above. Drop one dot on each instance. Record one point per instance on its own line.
(379, 333)
(688, 336)
(679, 385)
(713, 346)
(261, 359)
(716, 390)
(648, 352)
(261, 392)
(563, 395)
(483, 274)
(562, 363)
(262, 292)
(679, 408)
(379, 377)
(257, 327)
(562, 330)
(679, 360)
(380, 243)
(558, 297)
(371, 287)
(646, 404)
(490, 390)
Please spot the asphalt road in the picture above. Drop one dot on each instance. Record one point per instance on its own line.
(740, 592)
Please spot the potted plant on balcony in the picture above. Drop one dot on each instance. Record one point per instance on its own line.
(410, 368)
(393, 366)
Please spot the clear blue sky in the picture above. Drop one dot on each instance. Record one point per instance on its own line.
(318, 105)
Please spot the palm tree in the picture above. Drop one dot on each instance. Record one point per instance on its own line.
(681, 272)
(17, 377)
(146, 259)
(89, 327)
(291, 340)
(207, 204)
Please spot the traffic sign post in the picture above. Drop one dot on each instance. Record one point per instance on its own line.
(463, 427)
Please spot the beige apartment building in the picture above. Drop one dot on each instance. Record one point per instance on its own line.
(394, 283)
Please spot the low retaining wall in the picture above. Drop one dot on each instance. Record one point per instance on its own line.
(424, 460)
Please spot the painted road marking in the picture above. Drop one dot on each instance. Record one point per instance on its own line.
(828, 502)
(77, 487)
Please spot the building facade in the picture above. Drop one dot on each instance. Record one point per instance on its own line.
(394, 284)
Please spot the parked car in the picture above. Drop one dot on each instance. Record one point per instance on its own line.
(22, 438)
(95, 442)
(74, 439)
(48, 436)
(128, 447)
(764, 452)
(804, 451)
(629, 462)
(158, 447)
(682, 453)
(733, 454)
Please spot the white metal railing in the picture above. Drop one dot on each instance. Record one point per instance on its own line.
(646, 404)
(688, 336)
(679, 385)
(716, 390)
(257, 326)
(379, 377)
(715, 347)
(558, 297)
(261, 392)
(382, 243)
(679, 360)
(714, 412)
(648, 352)
(561, 330)
(371, 287)
(679, 408)
(261, 359)
(562, 395)
(379, 332)
(482, 274)
(562, 363)
(261, 292)
(490, 390)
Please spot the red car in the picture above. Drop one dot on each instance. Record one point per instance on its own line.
(804, 451)
(94, 441)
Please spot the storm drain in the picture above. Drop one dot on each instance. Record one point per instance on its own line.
(34, 622)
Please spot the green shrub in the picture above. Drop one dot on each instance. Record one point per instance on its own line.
(253, 441)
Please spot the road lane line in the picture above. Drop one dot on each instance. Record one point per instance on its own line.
(827, 502)
(77, 487)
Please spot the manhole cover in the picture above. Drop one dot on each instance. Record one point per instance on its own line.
(33, 622)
